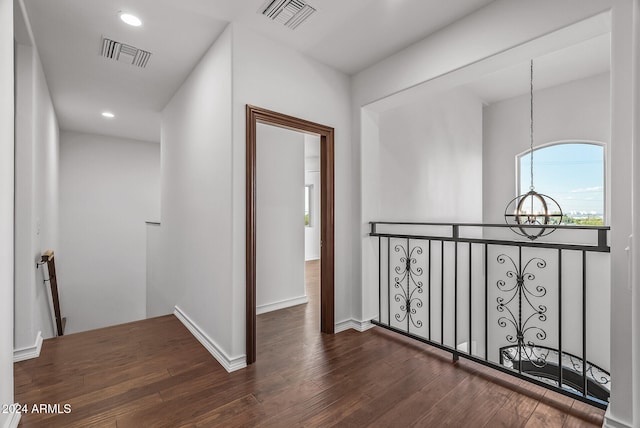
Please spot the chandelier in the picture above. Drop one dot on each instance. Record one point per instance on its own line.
(532, 208)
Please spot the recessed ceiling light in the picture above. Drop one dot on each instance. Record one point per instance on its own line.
(108, 114)
(132, 20)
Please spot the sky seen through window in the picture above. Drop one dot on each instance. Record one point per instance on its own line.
(572, 174)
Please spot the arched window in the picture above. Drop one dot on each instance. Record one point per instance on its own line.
(572, 173)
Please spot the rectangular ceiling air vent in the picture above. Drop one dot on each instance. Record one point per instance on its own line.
(124, 53)
(290, 13)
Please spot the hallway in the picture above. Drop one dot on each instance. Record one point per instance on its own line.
(154, 373)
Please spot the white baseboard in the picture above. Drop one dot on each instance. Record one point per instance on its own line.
(269, 307)
(611, 422)
(30, 351)
(354, 324)
(13, 420)
(230, 364)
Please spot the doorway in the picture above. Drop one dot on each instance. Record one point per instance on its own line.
(255, 115)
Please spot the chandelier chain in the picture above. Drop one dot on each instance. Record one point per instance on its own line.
(531, 127)
(532, 208)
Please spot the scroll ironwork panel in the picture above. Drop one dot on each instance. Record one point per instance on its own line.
(429, 289)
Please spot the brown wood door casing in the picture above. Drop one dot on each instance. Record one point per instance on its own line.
(255, 115)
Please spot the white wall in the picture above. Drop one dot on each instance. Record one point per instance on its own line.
(196, 201)
(203, 175)
(158, 303)
(6, 205)
(24, 263)
(501, 26)
(279, 218)
(109, 187)
(578, 110)
(431, 161)
(36, 223)
(312, 178)
(620, 409)
(424, 164)
(262, 68)
(636, 209)
(45, 221)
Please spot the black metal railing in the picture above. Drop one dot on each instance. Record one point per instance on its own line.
(532, 309)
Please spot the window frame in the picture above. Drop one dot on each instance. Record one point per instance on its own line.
(309, 190)
(605, 169)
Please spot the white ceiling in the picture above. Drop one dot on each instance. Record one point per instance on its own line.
(83, 84)
(570, 53)
(351, 35)
(574, 62)
(347, 35)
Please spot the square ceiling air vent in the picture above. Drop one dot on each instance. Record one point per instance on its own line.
(124, 53)
(290, 13)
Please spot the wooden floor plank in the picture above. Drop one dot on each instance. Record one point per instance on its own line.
(154, 373)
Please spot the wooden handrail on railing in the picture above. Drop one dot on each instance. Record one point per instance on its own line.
(49, 259)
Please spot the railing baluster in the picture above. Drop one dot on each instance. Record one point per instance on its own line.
(584, 322)
(379, 279)
(486, 302)
(470, 292)
(455, 300)
(429, 287)
(442, 292)
(389, 280)
(560, 380)
(408, 304)
(519, 332)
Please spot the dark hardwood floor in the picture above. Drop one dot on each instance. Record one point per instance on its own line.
(153, 373)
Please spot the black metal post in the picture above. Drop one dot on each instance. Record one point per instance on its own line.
(389, 280)
(584, 322)
(470, 293)
(519, 332)
(379, 277)
(486, 302)
(408, 304)
(602, 238)
(455, 296)
(560, 380)
(429, 288)
(442, 292)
